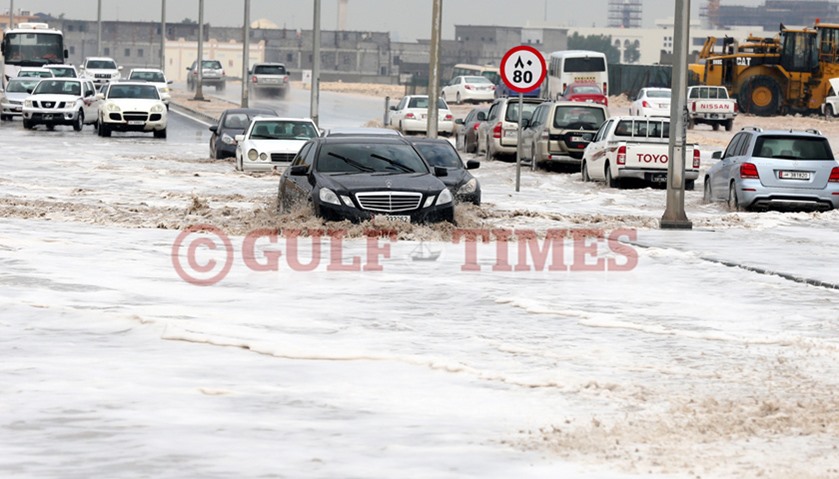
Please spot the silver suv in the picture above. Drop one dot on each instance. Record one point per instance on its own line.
(212, 74)
(498, 135)
(269, 79)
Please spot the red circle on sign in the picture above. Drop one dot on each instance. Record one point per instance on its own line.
(535, 53)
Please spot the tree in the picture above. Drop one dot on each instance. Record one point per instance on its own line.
(595, 43)
(631, 54)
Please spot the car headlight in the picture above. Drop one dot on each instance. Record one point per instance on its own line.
(346, 199)
(158, 109)
(112, 107)
(164, 90)
(27, 103)
(263, 156)
(227, 139)
(444, 198)
(328, 196)
(469, 187)
(253, 155)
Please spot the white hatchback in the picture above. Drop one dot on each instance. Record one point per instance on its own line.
(651, 102)
(270, 142)
(469, 88)
(411, 115)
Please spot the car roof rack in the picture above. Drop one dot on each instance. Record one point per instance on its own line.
(813, 131)
(751, 128)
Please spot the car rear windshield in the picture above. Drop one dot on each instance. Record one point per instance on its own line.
(708, 93)
(586, 90)
(788, 147)
(643, 129)
(576, 117)
(512, 114)
(658, 93)
(440, 154)
(269, 70)
(482, 80)
(422, 102)
(369, 158)
(211, 64)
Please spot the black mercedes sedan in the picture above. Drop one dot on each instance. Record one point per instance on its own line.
(232, 122)
(441, 153)
(365, 178)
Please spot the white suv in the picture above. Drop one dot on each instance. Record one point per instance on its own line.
(132, 106)
(61, 101)
(101, 70)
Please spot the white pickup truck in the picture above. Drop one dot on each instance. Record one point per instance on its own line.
(634, 147)
(711, 105)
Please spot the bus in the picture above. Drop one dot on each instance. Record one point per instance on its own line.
(488, 71)
(31, 45)
(576, 66)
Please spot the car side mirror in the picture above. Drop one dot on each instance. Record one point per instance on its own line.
(169, 82)
(482, 116)
(459, 121)
(239, 138)
(440, 171)
(214, 128)
(393, 108)
(29, 90)
(525, 123)
(100, 96)
(119, 68)
(716, 155)
(299, 170)
(473, 164)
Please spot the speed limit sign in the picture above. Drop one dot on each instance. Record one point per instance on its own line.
(523, 69)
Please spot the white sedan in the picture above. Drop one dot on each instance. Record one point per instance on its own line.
(469, 88)
(269, 142)
(411, 115)
(155, 76)
(651, 102)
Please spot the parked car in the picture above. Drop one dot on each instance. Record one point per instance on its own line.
(830, 107)
(360, 131)
(777, 169)
(365, 178)
(651, 102)
(440, 153)
(269, 79)
(132, 106)
(11, 100)
(33, 72)
(711, 105)
(467, 129)
(498, 135)
(559, 131)
(468, 88)
(62, 71)
(269, 142)
(585, 92)
(410, 115)
(212, 74)
(155, 76)
(232, 122)
(101, 70)
(61, 101)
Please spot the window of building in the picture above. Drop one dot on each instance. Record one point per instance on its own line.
(127, 52)
(106, 51)
(72, 50)
(140, 52)
(71, 28)
(289, 57)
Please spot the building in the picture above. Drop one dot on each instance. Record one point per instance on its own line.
(771, 14)
(625, 13)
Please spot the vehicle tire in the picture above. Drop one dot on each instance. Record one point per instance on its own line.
(733, 201)
(4, 118)
(190, 86)
(104, 130)
(691, 123)
(28, 124)
(220, 86)
(489, 155)
(706, 192)
(612, 182)
(716, 126)
(690, 185)
(51, 127)
(729, 124)
(829, 113)
(457, 99)
(761, 96)
(239, 165)
(160, 133)
(584, 171)
(79, 123)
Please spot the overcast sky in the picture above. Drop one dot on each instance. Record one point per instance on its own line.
(406, 19)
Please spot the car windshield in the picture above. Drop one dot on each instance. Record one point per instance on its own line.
(143, 92)
(155, 77)
(440, 154)
(658, 93)
(20, 86)
(58, 87)
(576, 117)
(269, 70)
(788, 147)
(102, 65)
(422, 102)
(369, 158)
(283, 130)
(35, 74)
(65, 72)
(512, 114)
(482, 80)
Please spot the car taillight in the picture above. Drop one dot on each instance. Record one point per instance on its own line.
(222, 73)
(693, 106)
(475, 126)
(564, 86)
(496, 130)
(253, 79)
(645, 104)
(736, 108)
(546, 135)
(409, 115)
(285, 79)
(834, 175)
(492, 88)
(696, 158)
(749, 170)
(621, 159)
(468, 87)
(604, 89)
(449, 118)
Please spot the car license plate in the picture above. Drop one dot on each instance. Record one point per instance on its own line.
(136, 122)
(658, 177)
(392, 218)
(794, 175)
(271, 80)
(578, 138)
(510, 134)
(47, 117)
(714, 115)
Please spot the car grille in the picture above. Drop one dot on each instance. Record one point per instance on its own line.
(135, 116)
(389, 201)
(284, 157)
(155, 117)
(50, 104)
(102, 75)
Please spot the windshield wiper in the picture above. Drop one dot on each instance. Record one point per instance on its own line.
(394, 163)
(351, 162)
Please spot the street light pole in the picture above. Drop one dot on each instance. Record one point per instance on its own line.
(674, 214)
(199, 65)
(313, 108)
(99, 29)
(163, 35)
(11, 14)
(434, 73)
(246, 52)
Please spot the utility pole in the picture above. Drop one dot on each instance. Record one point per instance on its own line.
(674, 214)
(99, 29)
(313, 108)
(11, 14)
(434, 73)
(246, 53)
(199, 90)
(163, 35)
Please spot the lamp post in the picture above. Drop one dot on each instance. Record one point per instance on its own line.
(246, 52)
(434, 73)
(99, 29)
(163, 35)
(313, 107)
(199, 64)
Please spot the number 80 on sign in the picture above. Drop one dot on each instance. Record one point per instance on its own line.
(523, 69)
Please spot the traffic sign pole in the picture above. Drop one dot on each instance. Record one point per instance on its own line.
(518, 146)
